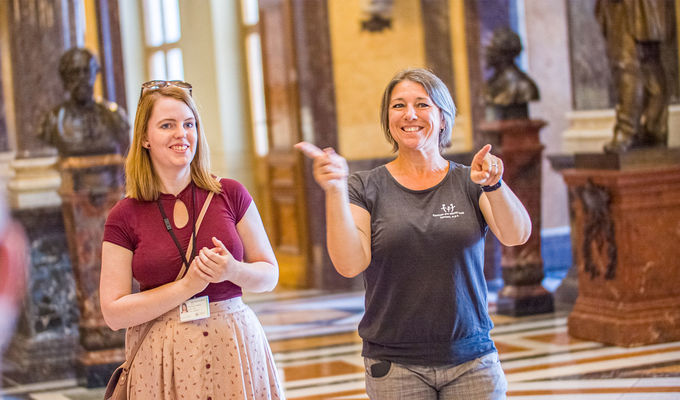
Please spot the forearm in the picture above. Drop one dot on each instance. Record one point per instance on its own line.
(259, 276)
(137, 308)
(343, 238)
(511, 219)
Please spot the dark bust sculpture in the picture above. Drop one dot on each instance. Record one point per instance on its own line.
(83, 125)
(635, 31)
(509, 89)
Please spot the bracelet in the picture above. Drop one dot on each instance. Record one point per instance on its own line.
(492, 187)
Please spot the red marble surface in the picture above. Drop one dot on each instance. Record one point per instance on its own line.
(629, 262)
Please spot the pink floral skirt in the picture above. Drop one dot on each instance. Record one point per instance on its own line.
(224, 356)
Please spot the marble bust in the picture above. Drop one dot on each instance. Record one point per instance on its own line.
(509, 89)
(83, 125)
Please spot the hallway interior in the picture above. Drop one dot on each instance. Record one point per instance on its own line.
(314, 340)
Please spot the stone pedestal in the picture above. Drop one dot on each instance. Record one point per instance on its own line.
(46, 335)
(91, 186)
(517, 143)
(625, 233)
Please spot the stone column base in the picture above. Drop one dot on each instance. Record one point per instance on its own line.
(626, 324)
(41, 358)
(534, 300)
(94, 368)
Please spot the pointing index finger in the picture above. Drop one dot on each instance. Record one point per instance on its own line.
(479, 157)
(309, 149)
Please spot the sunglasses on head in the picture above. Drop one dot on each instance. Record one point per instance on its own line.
(157, 84)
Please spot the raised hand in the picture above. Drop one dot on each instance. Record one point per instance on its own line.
(330, 169)
(486, 169)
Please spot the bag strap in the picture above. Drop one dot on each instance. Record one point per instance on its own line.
(147, 328)
(198, 225)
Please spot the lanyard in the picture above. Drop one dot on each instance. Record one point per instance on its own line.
(168, 226)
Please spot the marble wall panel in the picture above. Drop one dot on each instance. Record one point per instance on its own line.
(363, 63)
(591, 79)
(546, 48)
(4, 138)
(39, 31)
(437, 36)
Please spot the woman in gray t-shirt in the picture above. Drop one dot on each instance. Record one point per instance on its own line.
(415, 226)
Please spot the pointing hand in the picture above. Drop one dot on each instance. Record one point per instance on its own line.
(330, 169)
(486, 169)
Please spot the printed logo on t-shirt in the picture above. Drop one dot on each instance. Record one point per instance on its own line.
(447, 211)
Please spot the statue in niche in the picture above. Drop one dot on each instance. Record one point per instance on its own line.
(635, 31)
(509, 90)
(83, 125)
(377, 15)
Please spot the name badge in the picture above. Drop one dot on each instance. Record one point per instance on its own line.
(194, 309)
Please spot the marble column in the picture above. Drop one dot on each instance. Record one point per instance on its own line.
(38, 32)
(6, 154)
(517, 142)
(625, 214)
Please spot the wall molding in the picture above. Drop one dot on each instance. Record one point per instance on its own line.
(589, 130)
(35, 184)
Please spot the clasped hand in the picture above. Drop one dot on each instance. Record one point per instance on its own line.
(486, 169)
(213, 265)
(330, 168)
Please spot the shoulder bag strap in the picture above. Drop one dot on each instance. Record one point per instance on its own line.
(146, 329)
(198, 225)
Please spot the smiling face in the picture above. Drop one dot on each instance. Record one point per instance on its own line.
(414, 119)
(171, 135)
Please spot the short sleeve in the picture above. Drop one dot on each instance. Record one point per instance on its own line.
(474, 192)
(116, 228)
(238, 197)
(357, 191)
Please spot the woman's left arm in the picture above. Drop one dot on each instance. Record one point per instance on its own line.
(504, 213)
(258, 272)
(506, 216)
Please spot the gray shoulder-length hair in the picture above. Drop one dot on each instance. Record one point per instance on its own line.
(437, 91)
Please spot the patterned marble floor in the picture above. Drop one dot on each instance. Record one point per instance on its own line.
(313, 336)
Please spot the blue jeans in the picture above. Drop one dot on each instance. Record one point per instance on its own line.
(482, 378)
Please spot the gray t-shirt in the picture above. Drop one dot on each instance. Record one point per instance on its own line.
(426, 296)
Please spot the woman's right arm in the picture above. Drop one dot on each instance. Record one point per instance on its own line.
(348, 227)
(121, 308)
